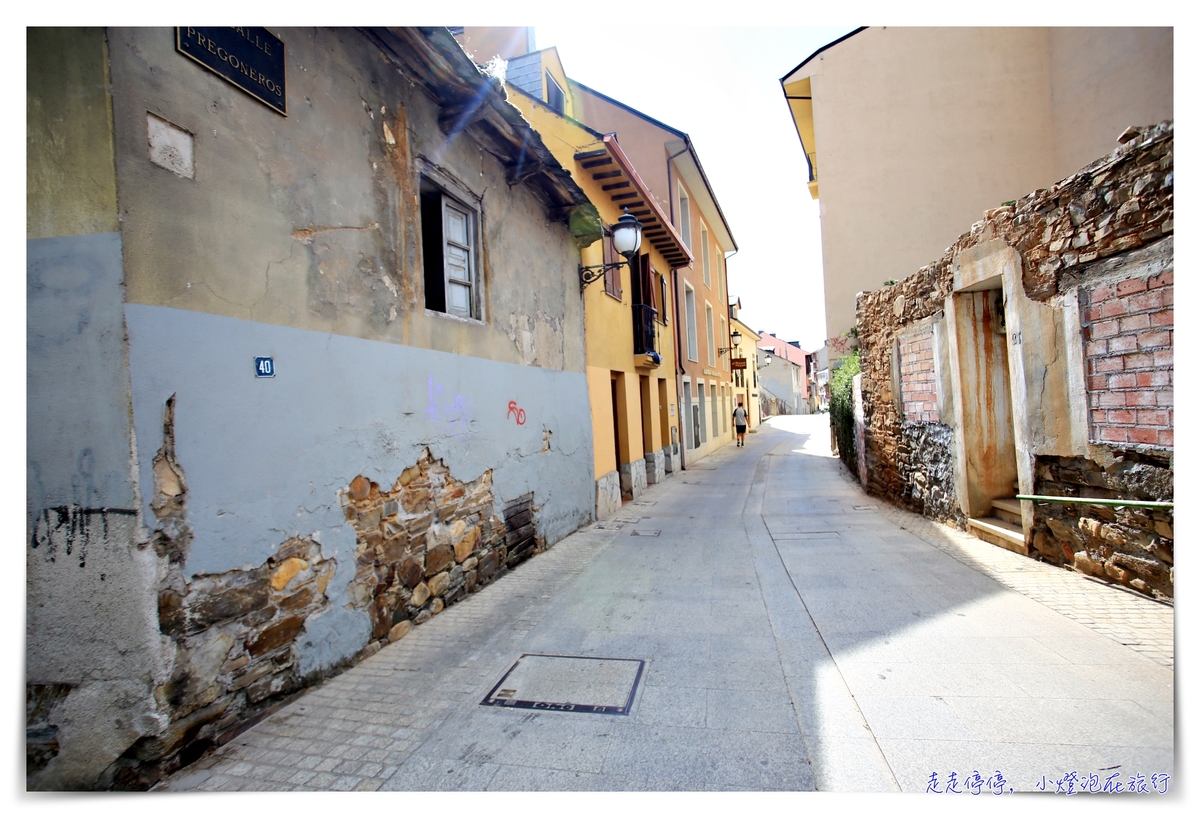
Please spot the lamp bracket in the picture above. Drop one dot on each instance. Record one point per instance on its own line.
(594, 272)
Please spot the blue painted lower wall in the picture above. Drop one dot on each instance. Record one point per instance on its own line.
(265, 458)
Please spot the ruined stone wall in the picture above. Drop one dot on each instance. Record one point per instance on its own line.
(1071, 239)
(429, 540)
(1124, 544)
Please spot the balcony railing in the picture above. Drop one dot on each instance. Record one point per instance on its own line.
(644, 329)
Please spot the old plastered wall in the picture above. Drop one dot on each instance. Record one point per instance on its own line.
(1097, 236)
(296, 238)
(88, 689)
(311, 220)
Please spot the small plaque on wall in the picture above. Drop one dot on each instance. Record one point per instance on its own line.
(250, 58)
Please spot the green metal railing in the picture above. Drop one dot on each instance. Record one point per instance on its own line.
(1097, 501)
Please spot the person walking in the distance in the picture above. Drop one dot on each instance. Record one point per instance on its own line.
(739, 423)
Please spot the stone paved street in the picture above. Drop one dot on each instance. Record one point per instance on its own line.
(796, 633)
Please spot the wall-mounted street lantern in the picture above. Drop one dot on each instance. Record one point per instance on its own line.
(627, 240)
(736, 338)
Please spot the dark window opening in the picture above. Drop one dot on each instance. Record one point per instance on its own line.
(431, 242)
(555, 98)
(448, 249)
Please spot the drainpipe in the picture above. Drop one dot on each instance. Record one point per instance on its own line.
(678, 361)
(675, 299)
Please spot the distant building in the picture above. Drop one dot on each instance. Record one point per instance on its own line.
(783, 375)
(746, 388)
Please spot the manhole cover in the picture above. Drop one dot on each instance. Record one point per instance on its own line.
(643, 533)
(580, 684)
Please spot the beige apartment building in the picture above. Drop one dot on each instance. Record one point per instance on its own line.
(912, 133)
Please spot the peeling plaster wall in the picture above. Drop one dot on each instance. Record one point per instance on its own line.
(225, 581)
(312, 220)
(89, 688)
(266, 457)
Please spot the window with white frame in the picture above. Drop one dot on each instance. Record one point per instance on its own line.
(689, 300)
(685, 219)
(704, 256)
(449, 248)
(725, 340)
(708, 326)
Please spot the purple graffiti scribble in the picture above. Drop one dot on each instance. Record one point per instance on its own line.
(431, 410)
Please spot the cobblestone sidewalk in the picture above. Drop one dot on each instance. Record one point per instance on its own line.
(358, 732)
(1142, 624)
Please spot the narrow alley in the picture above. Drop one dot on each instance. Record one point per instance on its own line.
(766, 626)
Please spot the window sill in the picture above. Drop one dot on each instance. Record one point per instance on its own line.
(616, 298)
(476, 321)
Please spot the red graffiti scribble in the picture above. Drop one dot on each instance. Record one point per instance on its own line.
(517, 412)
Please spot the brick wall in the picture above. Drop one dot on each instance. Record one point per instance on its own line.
(918, 382)
(1128, 331)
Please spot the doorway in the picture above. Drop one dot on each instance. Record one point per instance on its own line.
(988, 441)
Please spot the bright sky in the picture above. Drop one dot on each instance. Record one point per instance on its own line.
(721, 86)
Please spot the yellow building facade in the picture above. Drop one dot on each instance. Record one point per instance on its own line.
(699, 291)
(628, 313)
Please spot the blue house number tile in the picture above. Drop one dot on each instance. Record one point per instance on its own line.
(264, 367)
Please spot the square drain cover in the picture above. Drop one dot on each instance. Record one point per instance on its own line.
(579, 684)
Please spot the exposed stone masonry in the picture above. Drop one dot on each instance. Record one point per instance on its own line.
(1129, 545)
(233, 635)
(925, 461)
(427, 541)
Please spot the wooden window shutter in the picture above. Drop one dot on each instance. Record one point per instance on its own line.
(612, 275)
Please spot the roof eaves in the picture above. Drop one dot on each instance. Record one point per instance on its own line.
(630, 109)
(823, 48)
(610, 142)
(716, 202)
(431, 57)
(510, 88)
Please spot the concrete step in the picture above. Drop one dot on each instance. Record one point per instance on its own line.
(1007, 509)
(999, 532)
